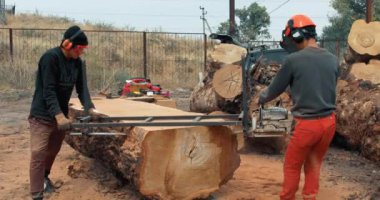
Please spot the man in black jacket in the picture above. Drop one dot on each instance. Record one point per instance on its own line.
(59, 70)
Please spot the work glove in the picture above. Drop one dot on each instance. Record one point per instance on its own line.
(95, 115)
(63, 123)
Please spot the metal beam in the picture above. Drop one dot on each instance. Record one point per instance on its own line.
(128, 124)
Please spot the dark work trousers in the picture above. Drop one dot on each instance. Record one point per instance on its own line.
(45, 143)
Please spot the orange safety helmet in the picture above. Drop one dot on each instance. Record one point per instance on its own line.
(295, 28)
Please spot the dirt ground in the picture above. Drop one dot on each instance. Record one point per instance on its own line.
(345, 175)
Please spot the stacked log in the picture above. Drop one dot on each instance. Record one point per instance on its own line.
(204, 99)
(161, 162)
(221, 90)
(358, 99)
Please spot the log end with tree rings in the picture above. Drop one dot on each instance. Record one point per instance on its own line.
(364, 38)
(227, 53)
(227, 81)
(369, 72)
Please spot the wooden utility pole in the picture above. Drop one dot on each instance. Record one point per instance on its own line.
(232, 17)
(203, 18)
(369, 5)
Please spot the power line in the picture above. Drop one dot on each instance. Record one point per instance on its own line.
(139, 14)
(278, 7)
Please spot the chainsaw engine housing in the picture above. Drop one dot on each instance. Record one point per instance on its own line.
(271, 122)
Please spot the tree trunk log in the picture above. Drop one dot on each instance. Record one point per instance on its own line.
(364, 38)
(369, 72)
(227, 53)
(358, 116)
(204, 99)
(227, 81)
(226, 89)
(358, 98)
(161, 162)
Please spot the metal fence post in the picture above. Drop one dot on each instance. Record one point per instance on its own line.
(11, 43)
(145, 55)
(205, 50)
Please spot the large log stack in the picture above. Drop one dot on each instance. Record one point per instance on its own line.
(358, 106)
(161, 162)
(358, 100)
(221, 89)
(204, 98)
(223, 82)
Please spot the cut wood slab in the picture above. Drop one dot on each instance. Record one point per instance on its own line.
(162, 162)
(166, 103)
(369, 72)
(227, 53)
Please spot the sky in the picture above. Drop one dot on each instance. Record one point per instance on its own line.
(174, 15)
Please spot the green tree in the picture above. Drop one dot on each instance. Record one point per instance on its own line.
(253, 23)
(347, 12)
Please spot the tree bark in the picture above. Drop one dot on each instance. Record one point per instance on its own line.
(358, 116)
(358, 94)
(161, 162)
(204, 99)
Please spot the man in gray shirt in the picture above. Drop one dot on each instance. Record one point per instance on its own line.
(311, 73)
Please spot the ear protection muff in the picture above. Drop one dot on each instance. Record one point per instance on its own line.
(67, 44)
(295, 33)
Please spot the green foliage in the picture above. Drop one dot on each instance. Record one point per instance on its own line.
(347, 12)
(224, 27)
(253, 23)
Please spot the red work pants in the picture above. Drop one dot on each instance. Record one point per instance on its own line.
(307, 147)
(45, 143)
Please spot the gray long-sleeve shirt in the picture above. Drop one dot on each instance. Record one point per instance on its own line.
(312, 75)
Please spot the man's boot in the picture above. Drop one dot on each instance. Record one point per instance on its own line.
(37, 195)
(48, 185)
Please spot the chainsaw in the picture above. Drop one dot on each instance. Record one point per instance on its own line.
(271, 122)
